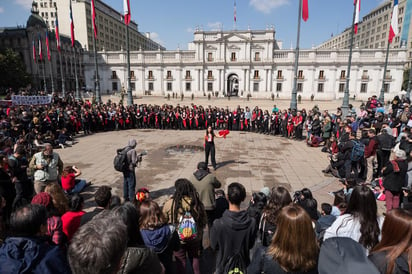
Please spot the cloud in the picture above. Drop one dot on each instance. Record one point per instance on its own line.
(24, 3)
(1, 10)
(155, 37)
(266, 6)
(213, 26)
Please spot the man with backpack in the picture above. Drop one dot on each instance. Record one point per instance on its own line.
(354, 152)
(233, 235)
(129, 175)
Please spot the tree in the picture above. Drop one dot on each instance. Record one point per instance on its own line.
(12, 70)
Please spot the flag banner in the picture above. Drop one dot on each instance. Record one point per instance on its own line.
(305, 10)
(234, 12)
(56, 29)
(72, 25)
(357, 11)
(394, 30)
(47, 46)
(19, 100)
(34, 51)
(127, 13)
(94, 19)
(40, 49)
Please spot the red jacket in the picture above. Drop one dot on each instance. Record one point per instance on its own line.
(370, 149)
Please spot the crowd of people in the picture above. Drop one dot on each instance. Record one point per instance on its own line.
(42, 209)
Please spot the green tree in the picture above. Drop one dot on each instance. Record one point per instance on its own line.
(12, 70)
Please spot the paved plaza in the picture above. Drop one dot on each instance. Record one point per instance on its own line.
(255, 160)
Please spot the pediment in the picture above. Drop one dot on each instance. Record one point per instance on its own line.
(233, 47)
(210, 47)
(257, 46)
(234, 37)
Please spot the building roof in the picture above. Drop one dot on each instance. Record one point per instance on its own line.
(35, 20)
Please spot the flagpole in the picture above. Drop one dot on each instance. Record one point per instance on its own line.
(75, 76)
(96, 67)
(345, 103)
(61, 66)
(129, 86)
(382, 93)
(51, 67)
(44, 75)
(293, 102)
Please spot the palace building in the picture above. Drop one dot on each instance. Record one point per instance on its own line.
(250, 62)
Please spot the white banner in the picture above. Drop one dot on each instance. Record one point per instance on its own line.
(30, 100)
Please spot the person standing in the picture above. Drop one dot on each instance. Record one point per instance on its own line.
(210, 146)
(47, 167)
(17, 164)
(129, 174)
(234, 234)
(205, 184)
(370, 154)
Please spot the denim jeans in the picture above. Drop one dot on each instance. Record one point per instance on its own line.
(79, 186)
(129, 185)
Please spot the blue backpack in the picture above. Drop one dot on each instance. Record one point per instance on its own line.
(358, 151)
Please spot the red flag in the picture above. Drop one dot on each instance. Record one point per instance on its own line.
(34, 51)
(47, 45)
(127, 14)
(56, 29)
(234, 12)
(305, 10)
(357, 10)
(72, 25)
(393, 31)
(40, 49)
(94, 19)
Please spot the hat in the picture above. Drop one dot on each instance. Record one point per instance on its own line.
(400, 154)
(265, 190)
(42, 198)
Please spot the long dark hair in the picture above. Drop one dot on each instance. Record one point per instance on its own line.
(362, 206)
(278, 199)
(185, 189)
(130, 216)
(211, 132)
(396, 237)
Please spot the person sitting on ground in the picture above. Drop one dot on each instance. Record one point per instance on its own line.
(102, 197)
(98, 246)
(69, 182)
(294, 248)
(71, 219)
(64, 140)
(26, 251)
(393, 253)
(326, 219)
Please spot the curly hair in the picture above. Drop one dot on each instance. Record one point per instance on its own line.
(60, 201)
(185, 191)
(278, 199)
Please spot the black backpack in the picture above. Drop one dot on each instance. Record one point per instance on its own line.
(120, 160)
(235, 265)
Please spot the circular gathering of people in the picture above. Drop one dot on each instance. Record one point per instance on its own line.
(201, 227)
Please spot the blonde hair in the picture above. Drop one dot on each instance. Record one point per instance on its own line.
(60, 201)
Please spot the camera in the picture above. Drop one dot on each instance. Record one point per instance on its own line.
(297, 196)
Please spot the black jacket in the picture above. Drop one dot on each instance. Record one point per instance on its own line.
(234, 233)
(401, 263)
(140, 260)
(394, 181)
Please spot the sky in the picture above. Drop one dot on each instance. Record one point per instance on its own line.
(172, 23)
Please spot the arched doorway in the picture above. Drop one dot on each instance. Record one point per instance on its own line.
(232, 85)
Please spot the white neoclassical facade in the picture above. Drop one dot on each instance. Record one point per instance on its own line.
(239, 63)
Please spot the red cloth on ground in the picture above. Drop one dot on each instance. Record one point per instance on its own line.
(71, 222)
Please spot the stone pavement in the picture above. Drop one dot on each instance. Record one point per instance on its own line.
(255, 160)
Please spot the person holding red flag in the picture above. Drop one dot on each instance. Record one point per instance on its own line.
(210, 145)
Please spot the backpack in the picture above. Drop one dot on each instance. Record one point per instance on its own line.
(358, 151)
(120, 160)
(187, 228)
(235, 265)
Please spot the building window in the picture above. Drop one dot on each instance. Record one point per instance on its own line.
(169, 86)
(114, 86)
(209, 86)
(321, 74)
(114, 75)
(210, 56)
(188, 74)
(342, 74)
(169, 74)
(132, 75)
(386, 88)
(150, 75)
(388, 75)
(280, 76)
(278, 86)
(364, 88)
(188, 86)
(256, 74)
(233, 56)
(299, 88)
(300, 74)
(341, 87)
(209, 75)
(365, 75)
(257, 56)
(255, 87)
(151, 86)
(320, 87)
(133, 86)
